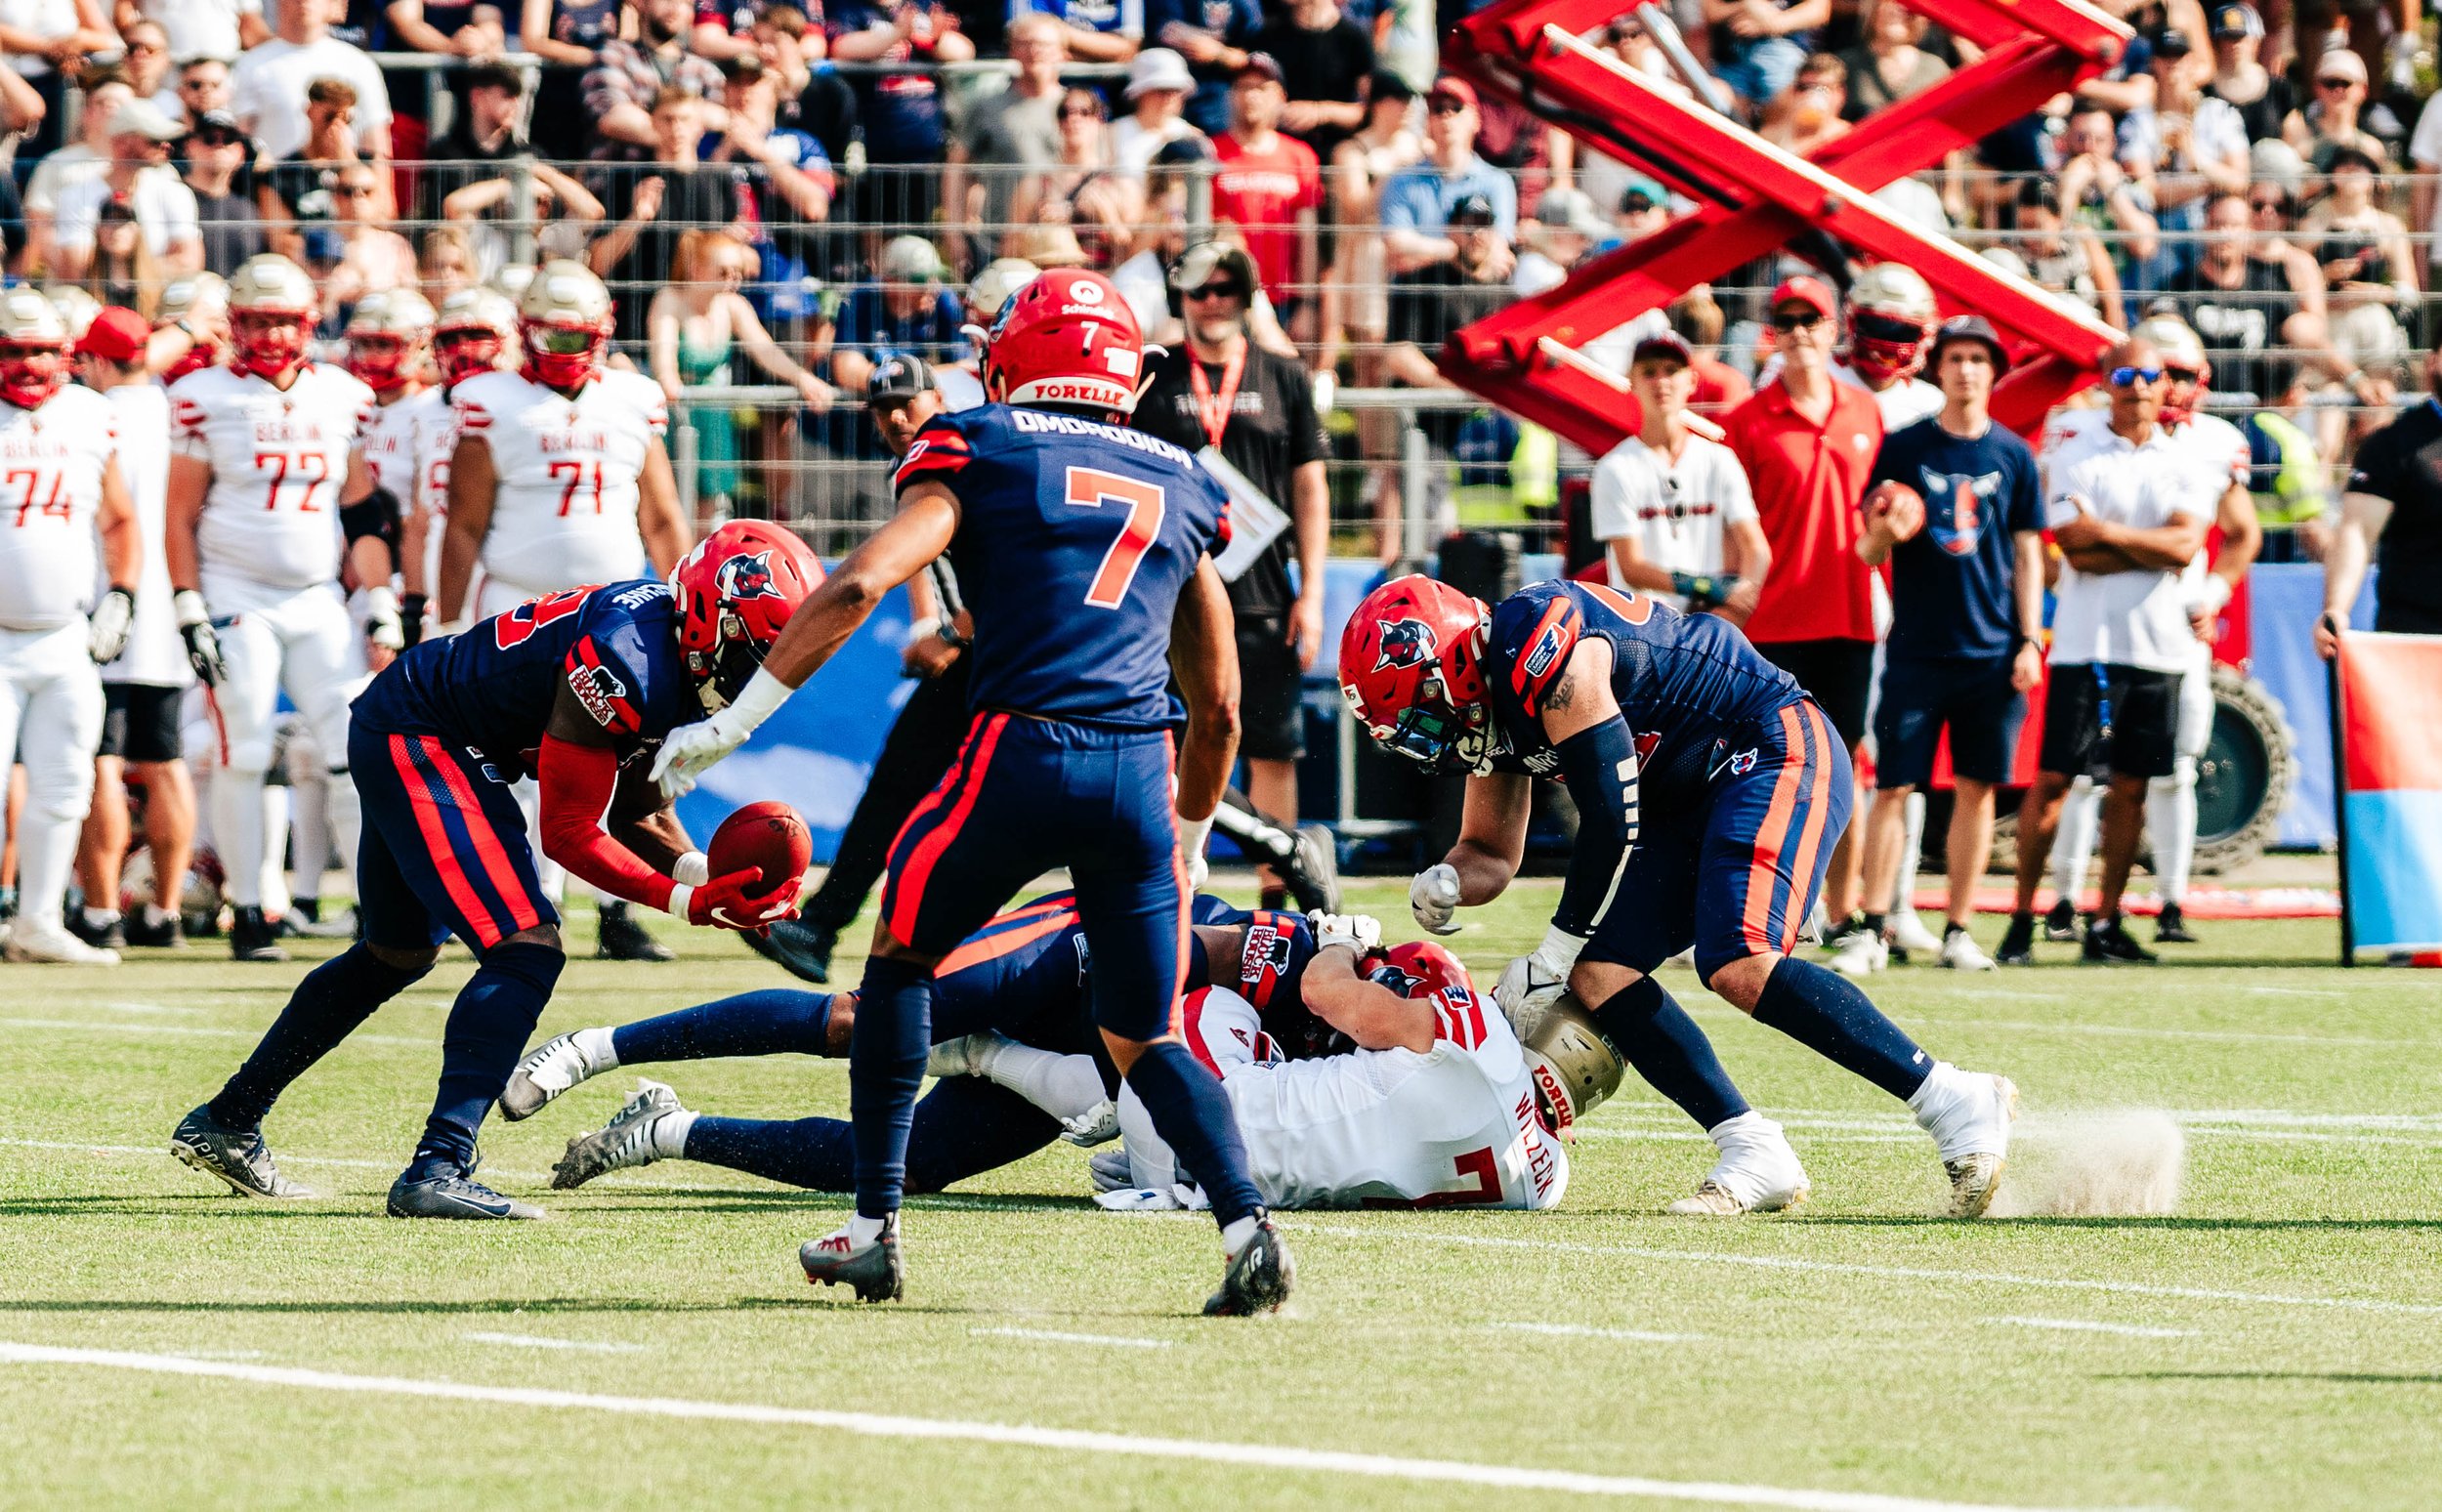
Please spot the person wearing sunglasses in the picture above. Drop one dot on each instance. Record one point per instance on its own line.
(2262, 97)
(2129, 504)
(1417, 202)
(215, 150)
(2332, 119)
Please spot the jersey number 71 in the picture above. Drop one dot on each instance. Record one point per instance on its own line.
(1091, 488)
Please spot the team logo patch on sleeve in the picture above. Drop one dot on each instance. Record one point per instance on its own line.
(1547, 652)
(601, 690)
(1263, 962)
(1458, 1017)
(1405, 642)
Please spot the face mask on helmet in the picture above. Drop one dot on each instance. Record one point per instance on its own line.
(562, 356)
(1884, 347)
(723, 673)
(1443, 740)
(378, 362)
(30, 375)
(464, 353)
(267, 341)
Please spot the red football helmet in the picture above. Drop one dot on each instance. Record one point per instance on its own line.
(565, 320)
(272, 310)
(1411, 669)
(1418, 969)
(1891, 316)
(33, 349)
(735, 591)
(472, 332)
(1068, 338)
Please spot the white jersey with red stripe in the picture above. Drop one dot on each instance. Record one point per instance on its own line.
(395, 440)
(434, 445)
(1455, 1126)
(50, 462)
(278, 460)
(563, 509)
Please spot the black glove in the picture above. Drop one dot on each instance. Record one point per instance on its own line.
(411, 616)
(203, 647)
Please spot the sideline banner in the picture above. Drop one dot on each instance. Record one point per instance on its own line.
(2387, 737)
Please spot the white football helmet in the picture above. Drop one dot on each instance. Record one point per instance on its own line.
(1574, 1065)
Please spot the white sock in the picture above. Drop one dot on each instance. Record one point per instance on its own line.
(2171, 818)
(345, 813)
(863, 1231)
(1904, 897)
(594, 1048)
(1065, 1086)
(45, 851)
(1235, 1236)
(237, 833)
(1934, 1093)
(2072, 843)
(1729, 1128)
(155, 915)
(669, 1134)
(101, 918)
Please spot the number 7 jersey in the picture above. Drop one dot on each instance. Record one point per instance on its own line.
(1074, 541)
(278, 460)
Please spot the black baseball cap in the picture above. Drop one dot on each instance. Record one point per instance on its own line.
(1475, 208)
(898, 378)
(1969, 327)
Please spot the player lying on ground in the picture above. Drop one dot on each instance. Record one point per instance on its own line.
(577, 687)
(1640, 709)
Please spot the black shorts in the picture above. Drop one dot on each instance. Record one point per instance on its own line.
(1971, 698)
(1837, 675)
(139, 720)
(1271, 692)
(2124, 720)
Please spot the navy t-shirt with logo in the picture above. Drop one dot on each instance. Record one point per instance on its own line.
(1951, 593)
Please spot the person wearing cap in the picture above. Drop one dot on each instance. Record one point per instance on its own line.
(215, 150)
(1417, 202)
(1427, 305)
(1355, 302)
(906, 309)
(463, 176)
(1324, 59)
(1008, 139)
(2332, 119)
(86, 157)
(1102, 31)
(1156, 101)
(1214, 36)
(143, 688)
(2262, 97)
(1671, 506)
(1808, 443)
(139, 177)
(1644, 208)
(1955, 508)
(2198, 144)
(1564, 230)
(1760, 45)
(1269, 184)
(1220, 389)
(2370, 274)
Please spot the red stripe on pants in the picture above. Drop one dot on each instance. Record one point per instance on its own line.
(1764, 870)
(928, 851)
(436, 844)
(487, 847)
(1810, 837)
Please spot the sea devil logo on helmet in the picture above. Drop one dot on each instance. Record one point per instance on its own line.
(746, 578)
(1405, 642)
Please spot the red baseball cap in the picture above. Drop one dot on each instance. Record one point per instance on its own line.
(1451, 86)
(1813, 292)
(117, 334)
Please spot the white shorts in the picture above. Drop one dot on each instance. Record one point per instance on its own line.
(299, 640)
(51, 716)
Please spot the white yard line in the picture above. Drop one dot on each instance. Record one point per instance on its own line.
(538, 1341)
(1016, 1434)
(1055, 1336)
(1887, 1272)
(2088, 1325)
(191, 1032)
(1581, 1332)
(2137, 1032)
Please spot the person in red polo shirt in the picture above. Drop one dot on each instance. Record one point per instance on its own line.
(1808, 444)
(1270, 186)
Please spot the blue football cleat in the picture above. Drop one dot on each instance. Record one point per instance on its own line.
(451, 1191)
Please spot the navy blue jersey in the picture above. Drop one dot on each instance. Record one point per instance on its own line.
(1026, 973)
(1271, 974)
(1075, 540)
(492, 687)
(1950, 583)
(1689, 685)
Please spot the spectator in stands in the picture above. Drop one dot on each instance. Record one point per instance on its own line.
(1356, 309)
(2064, 259)
(1106, 217)
(651, 208)
(42, 45)
(1719, 388)
(788, 44)
(2329, 122)
(140, 181)
(216, 151)
(2262, 97)
(1427, 303)
(453, 28)
(303, 189)
(2424, 214)
(695, 320)
(2109, 192)
(200, 28)
(1009, 138)
(1325, 60)
(792, 195)
(629, 76)
(568, 36)
(1049, 197)
(1270, 186)
(1564, 229)
(1644, 208)
(901, 106)
(87, 158)
(1891, 66)
(2391, 515)
(119, 268)
(2198, 146)
(1214, 36)
(1095, 30)
(723, 30)
(908, 309)
(1671, 507)
(1144, 278)
(445, 263)
(202, 89)
(2370, 275)
(270, 87)
(1811, 112)
(372, 256)
(1758, 45)
(148, 65)
(1157, 99)
(463, 182)
(2243, 306)
(1807, 442)
(1417, 202)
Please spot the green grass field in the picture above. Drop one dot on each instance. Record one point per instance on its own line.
(2276, 1343)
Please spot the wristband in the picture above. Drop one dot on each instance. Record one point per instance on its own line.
(1193, 833)
(919, 629)
(2216, 594)
(1701, 591)
(681, 894)
(757, 701)
(1560, 948)
(692, 871)
(381, 603)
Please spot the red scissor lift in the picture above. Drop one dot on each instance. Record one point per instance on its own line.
(1755, 198)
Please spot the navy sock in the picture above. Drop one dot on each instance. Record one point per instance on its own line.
(886, 1054)
(325, 1008)
(964, 1126)
(1657, 1036)
(489, 1026)
(1825, 1012)
(775, 1021)
(1192, 1114)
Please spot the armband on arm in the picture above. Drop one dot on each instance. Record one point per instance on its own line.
(1703, 591)
(376, 515)
(1599, 765)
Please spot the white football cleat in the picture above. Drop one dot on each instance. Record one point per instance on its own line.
(1757, 1172)
(52, 944)
(1908, 934)
(561, 1065)
(633, 1138)
(1860, 955)
(1961, 952)
(1969, 1115)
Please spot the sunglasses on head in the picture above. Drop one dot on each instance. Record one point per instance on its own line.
(2131, 377)
(1788, 321)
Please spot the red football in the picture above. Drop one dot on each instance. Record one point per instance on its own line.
(767, 838)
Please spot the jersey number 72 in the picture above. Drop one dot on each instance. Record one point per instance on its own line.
(1090, 489)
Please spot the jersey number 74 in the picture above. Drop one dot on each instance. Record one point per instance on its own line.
(1091, 488)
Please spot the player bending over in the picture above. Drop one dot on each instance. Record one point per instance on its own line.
(1641, 710)
(1084, 548)
(575, 687)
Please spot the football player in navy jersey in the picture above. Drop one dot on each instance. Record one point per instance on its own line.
(1084, 549)
(1710, 789)
(575, 687)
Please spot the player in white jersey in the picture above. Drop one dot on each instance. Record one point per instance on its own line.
(2220, 449)
(59, 487)
(476, 332)
(263, 450)
(389, 345)
(559, 479)
(144, 685)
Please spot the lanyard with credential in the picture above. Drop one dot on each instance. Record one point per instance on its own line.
(1212, 410)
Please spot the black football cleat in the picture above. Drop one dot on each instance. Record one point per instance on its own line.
(109, 937)
(1260, 1276)
(877, 1273)
(2060, 923)
(2108, 943)
(165, 935)
(618, 937)
(802, 949)
(2017, 942)
(236, 1156)
(441, 1189)
(2173, 927)
(252, 936)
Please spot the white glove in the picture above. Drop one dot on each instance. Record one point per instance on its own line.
(1153, 1199)
(1357, 931)
(1193, 833)
(1095, 1126)
(382, 625)
(1532, 984)
(111, 619)
(691, 750)
(1433, 897)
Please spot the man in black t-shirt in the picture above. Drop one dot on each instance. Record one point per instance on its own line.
(1222, 389)
(653, 205)
(2393, 511)
(1325, 61)
(1430, 303)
